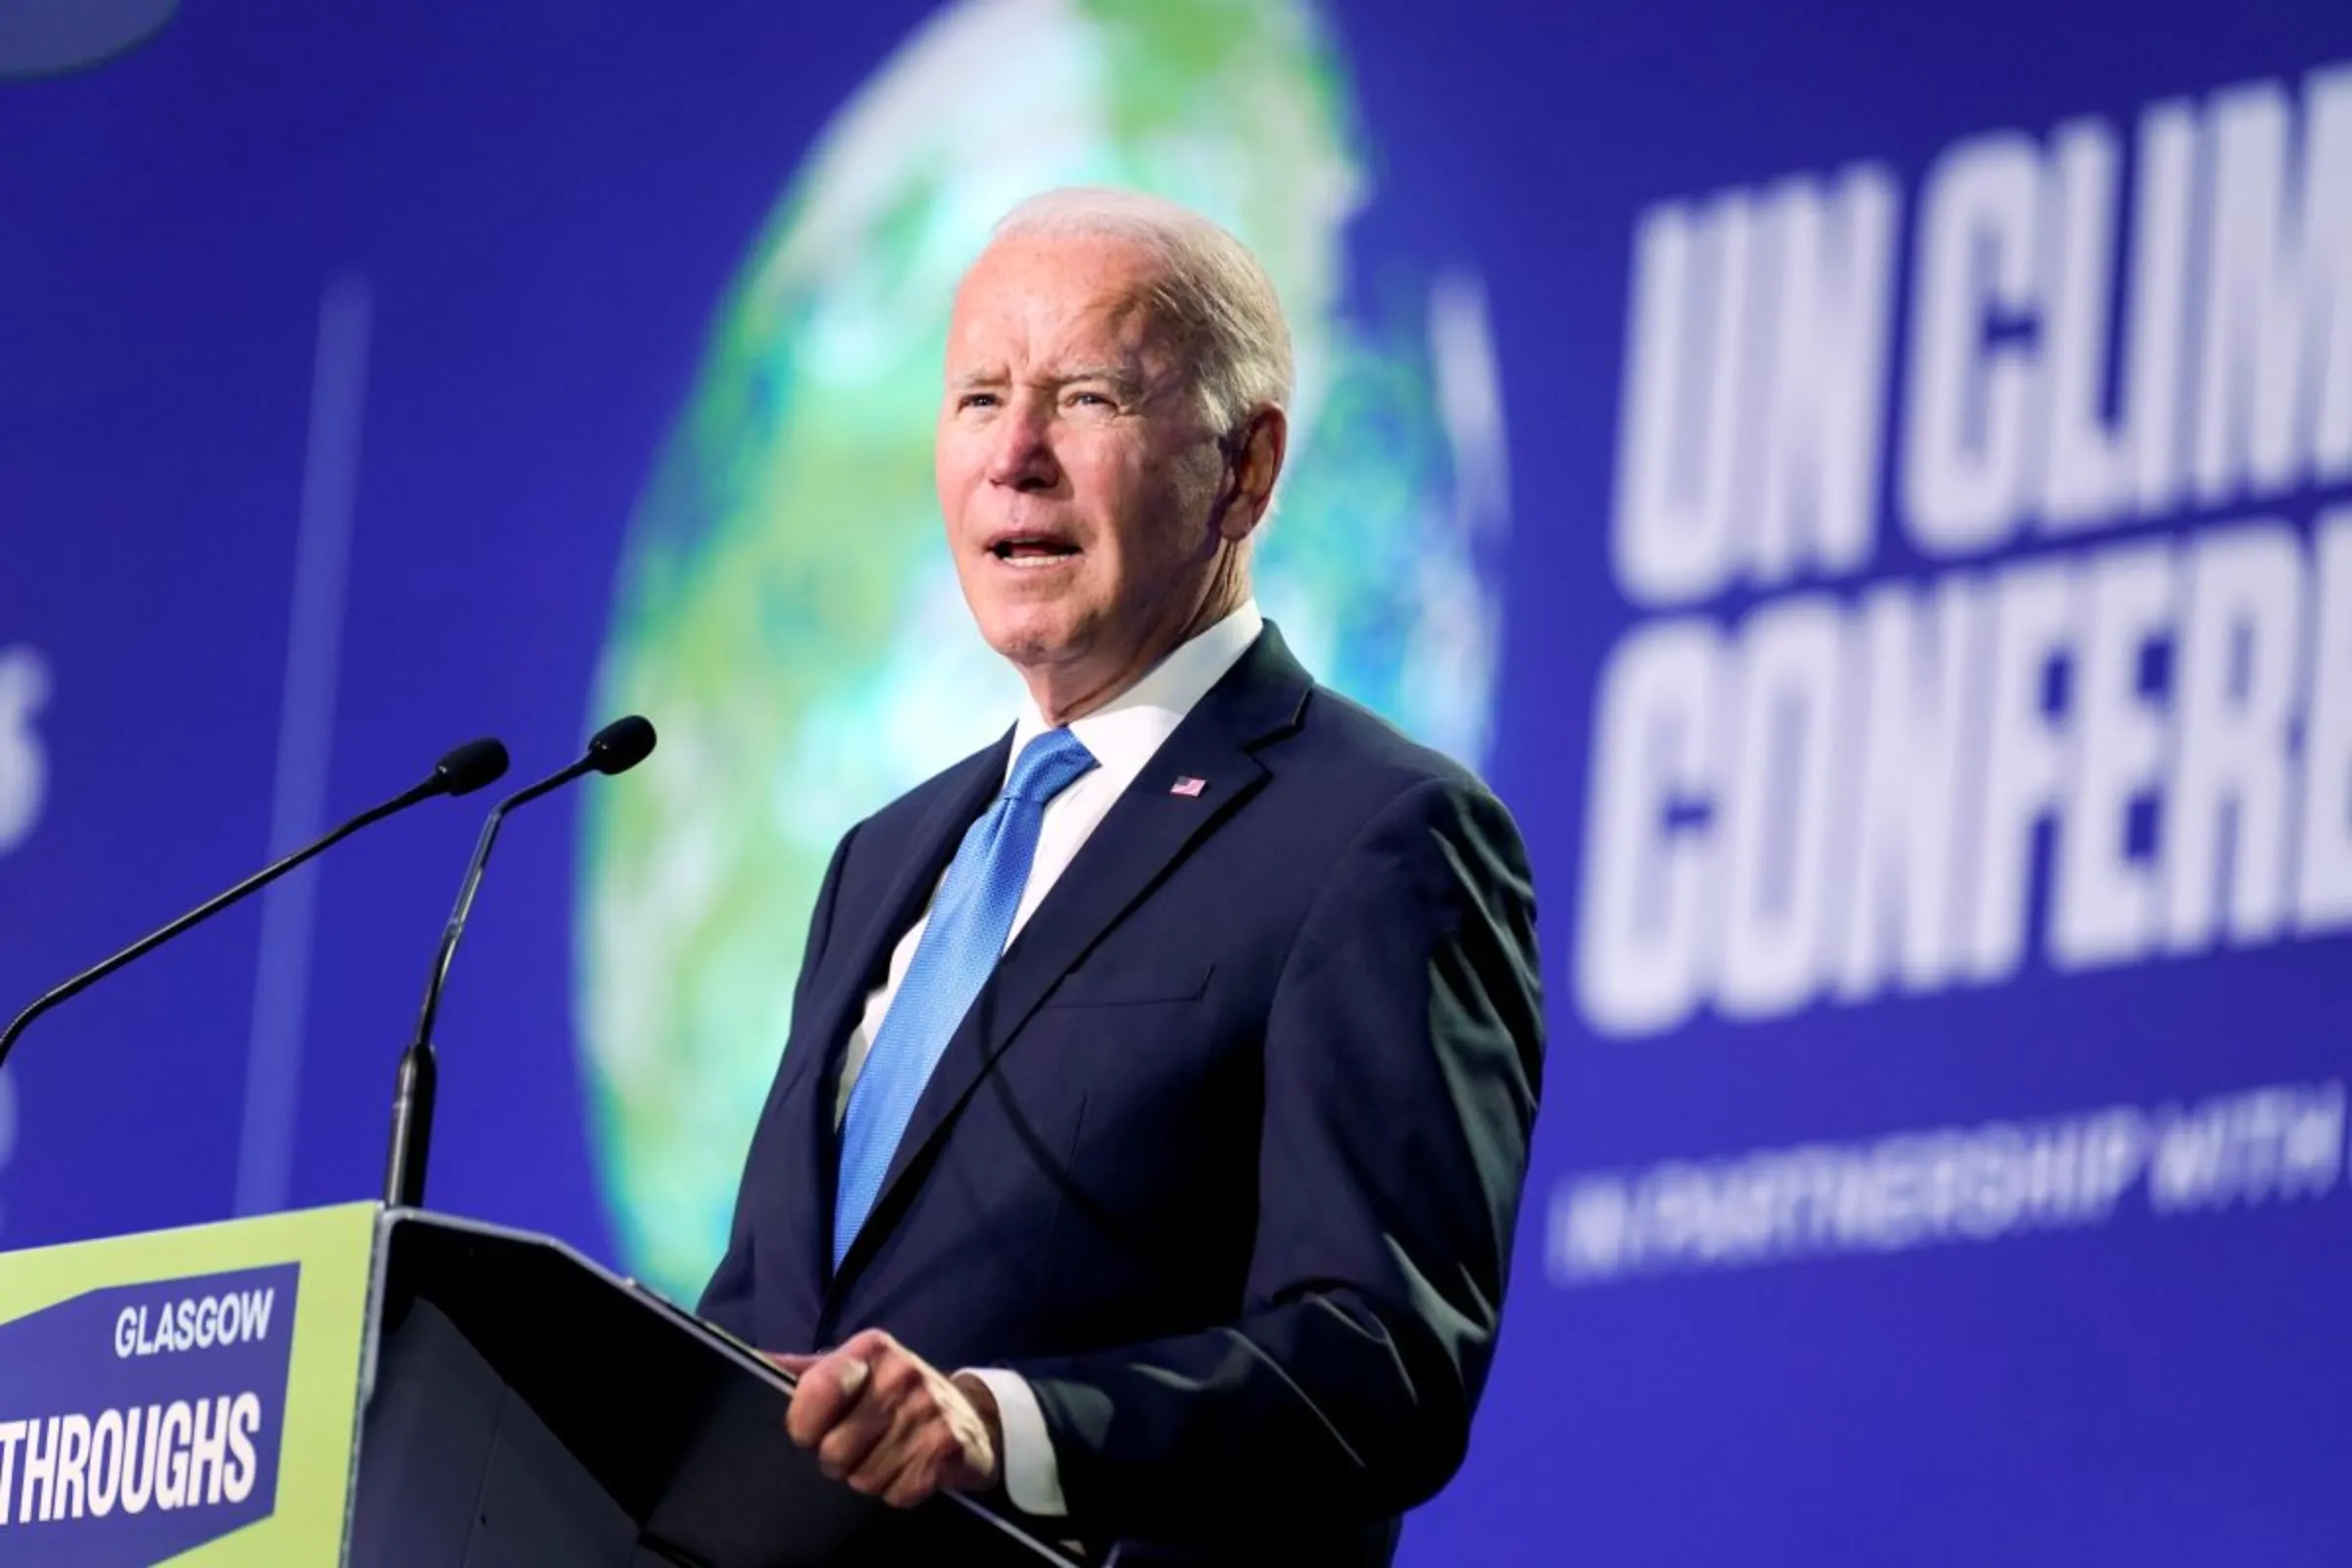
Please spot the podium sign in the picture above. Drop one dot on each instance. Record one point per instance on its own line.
(188, 1397)
(381, 1389)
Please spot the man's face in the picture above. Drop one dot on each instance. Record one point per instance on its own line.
(1077, 474)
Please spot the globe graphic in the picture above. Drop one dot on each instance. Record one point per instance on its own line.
(786, 610)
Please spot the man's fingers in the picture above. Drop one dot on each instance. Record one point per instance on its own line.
(884, 1422)
(924, 1453)
(864, 1429)
(913, 1485)
(904, 1468)
(829, 1387)
(861, 1433)
(869, 1447)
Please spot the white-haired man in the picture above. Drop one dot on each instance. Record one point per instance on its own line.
(1146, 1150)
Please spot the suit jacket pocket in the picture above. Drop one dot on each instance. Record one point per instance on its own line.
(1127, 985)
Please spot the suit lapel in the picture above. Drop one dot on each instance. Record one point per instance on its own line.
(818, 1041)
(1147, 830)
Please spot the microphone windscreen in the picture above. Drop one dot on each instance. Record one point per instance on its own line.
(621, 745)
(470, 766)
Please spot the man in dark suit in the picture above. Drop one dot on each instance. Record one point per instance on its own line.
(1148, 1146)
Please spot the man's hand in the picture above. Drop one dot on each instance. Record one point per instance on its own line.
(891, 1425)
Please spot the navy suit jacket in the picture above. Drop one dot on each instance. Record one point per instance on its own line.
(1225, 1158)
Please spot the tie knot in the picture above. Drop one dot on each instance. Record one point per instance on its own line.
(1049, 764)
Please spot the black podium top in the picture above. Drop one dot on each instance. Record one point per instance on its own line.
(677, 1423)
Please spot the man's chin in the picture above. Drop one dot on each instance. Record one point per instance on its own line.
(1032, 641)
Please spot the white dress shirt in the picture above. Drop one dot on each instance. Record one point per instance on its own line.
(1122, 735)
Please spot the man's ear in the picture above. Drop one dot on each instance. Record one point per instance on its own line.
(1256, 457)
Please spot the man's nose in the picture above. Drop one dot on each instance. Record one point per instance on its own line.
(1022, 458)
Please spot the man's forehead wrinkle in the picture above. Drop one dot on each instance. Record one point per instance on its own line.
(1074, 356)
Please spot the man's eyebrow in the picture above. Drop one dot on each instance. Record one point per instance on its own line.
(1119, 376)
(1127, 382)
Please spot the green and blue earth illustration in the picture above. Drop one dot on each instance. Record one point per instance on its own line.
(786, 610)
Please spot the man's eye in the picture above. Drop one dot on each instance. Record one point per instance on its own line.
(977, 399)
(1091, 400)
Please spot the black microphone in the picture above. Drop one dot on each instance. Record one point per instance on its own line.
(616, 749)
(461, 772)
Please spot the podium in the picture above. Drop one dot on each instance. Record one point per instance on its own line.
(395, 1389)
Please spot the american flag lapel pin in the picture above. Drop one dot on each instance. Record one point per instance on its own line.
(1188, 786)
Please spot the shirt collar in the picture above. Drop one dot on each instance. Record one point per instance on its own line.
(1124, 732)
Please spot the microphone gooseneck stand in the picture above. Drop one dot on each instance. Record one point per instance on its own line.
(616, 749)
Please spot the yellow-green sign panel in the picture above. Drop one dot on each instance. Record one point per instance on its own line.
(185, 1398)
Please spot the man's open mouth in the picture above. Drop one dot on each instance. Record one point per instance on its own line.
(1032, 550)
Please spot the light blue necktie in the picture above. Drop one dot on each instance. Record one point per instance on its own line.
(970, 919)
